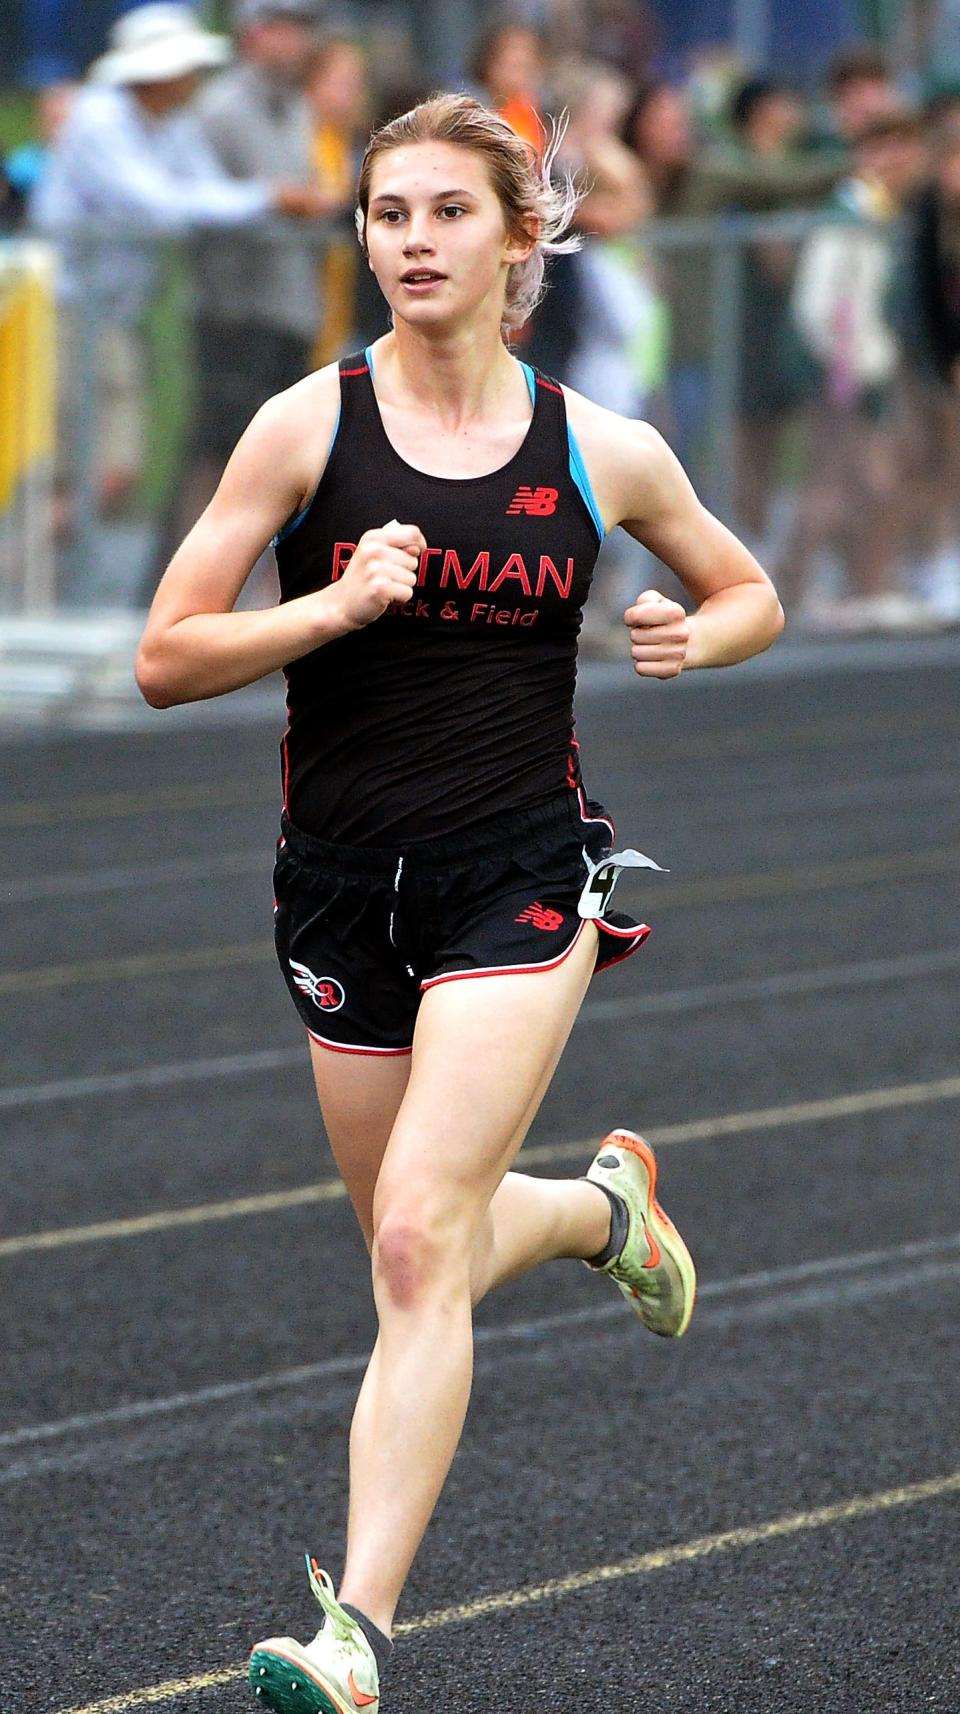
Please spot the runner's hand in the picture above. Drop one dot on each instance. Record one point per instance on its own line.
(382, 571)
(659, 635)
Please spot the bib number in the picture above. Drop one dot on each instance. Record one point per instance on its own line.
(602, 877)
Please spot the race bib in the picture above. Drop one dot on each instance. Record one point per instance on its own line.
(602, 877)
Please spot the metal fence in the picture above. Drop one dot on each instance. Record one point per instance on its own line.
(775, 354)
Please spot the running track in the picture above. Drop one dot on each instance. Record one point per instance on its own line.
(760, 1520)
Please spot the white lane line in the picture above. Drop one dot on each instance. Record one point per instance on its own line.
(754, 804)
(823, 1283)
(536, 1154)
(806, 1274)
(783, 985)
(153, 1077)
(109, 880)
(868, 973)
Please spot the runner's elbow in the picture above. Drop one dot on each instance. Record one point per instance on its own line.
(153, 678)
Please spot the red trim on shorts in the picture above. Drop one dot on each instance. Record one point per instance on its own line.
(345, 1047)
(593, 820)
(641, 929)
(503, 969)
(609, 963)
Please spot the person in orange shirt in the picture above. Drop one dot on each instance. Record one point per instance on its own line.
(508, 64)
(338, 93)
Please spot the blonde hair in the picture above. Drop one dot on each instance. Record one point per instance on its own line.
(521, 178)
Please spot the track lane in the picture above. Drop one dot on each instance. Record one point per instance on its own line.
(176, 1561)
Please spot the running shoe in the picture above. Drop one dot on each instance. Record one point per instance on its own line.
(335, 1674)
(654, 1270)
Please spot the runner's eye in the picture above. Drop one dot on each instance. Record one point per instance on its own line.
(391, 216)
(452, 209)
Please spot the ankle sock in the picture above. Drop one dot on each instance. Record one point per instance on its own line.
(381, 1645)
(619, 1228)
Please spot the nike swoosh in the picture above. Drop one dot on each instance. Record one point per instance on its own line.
(360, 1700)
(653, 1260)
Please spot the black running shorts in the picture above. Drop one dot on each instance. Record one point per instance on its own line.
(362, 933)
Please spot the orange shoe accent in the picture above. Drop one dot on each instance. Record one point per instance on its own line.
(359, 1698)
(653, 1260)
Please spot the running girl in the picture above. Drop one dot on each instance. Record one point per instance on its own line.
(438, 508)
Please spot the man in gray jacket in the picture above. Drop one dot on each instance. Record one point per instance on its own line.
(258, 305)
(131, 166)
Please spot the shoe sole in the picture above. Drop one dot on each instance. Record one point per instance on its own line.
(663, 1230)
(288, 1683)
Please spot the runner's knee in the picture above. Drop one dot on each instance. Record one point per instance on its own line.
(416, 1247)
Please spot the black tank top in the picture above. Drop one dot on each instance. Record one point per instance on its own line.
(458, 706)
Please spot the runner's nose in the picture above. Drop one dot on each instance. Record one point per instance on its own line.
(417, 242)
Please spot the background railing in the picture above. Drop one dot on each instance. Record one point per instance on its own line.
(771, 352)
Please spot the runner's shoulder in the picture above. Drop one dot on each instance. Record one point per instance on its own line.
(626, 458)
(294, 429)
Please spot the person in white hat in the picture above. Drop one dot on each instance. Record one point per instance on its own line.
(132, 163)
(257, 306)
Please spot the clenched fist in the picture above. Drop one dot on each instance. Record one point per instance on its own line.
(659, 635)
(383, 570)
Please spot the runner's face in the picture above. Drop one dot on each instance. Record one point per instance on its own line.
(433, 213)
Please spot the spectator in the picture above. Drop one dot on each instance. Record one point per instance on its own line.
(619, 305)
(131, 157)
(766, 119)
(689, 181)
(258, 305)
(509, 69)
(12, 202)
(620, 323)
(339, 98)
(626, 34)
(508, 65)
(928, 299)
(26, 164)
(861, 90)
(841, 296)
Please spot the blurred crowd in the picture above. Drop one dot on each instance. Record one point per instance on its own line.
(826, 360)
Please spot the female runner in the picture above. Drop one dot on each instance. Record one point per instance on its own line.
(438, 508)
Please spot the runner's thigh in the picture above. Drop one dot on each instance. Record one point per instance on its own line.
(360, 1096)
(483, 1049)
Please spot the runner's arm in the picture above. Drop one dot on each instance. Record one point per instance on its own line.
(641, 485)
(195, 645)
(737, 613)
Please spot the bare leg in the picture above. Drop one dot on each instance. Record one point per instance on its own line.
(460, 1123)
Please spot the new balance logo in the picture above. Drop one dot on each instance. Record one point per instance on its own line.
(536, 502)
(540, 916)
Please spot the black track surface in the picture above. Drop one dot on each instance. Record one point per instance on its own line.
(159, 1544)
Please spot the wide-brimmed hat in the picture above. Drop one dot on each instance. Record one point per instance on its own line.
(152, 44)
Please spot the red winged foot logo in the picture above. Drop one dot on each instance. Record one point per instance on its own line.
(325, 991)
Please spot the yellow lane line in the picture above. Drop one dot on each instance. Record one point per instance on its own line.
(813, 877)
(331, 1190)
(535, 1595)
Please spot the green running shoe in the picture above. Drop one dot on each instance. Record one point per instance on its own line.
(654, 1270)
(335, 1674)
